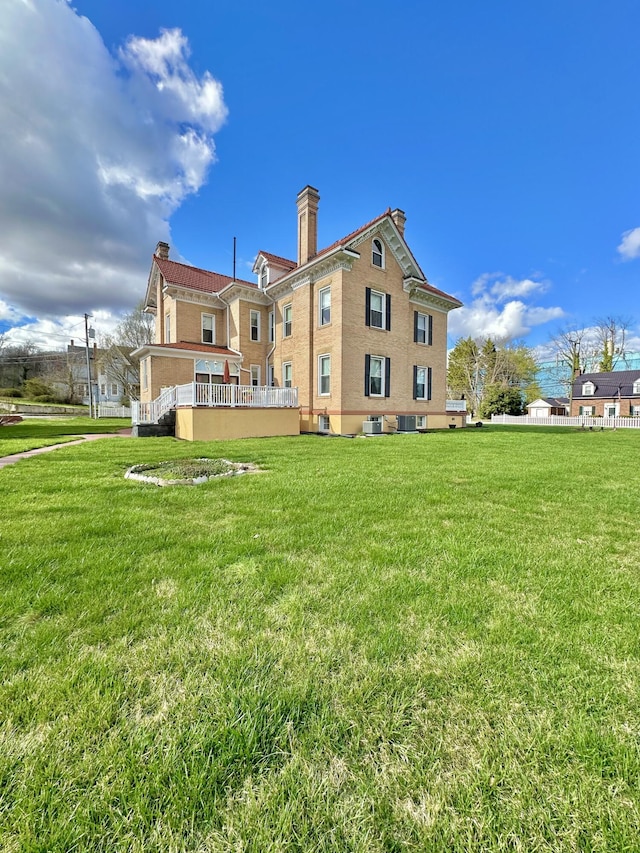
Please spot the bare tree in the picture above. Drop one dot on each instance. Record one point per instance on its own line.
(610, 335)
(118, 362)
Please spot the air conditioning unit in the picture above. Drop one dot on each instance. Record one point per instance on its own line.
(372, 427)
(406, 423)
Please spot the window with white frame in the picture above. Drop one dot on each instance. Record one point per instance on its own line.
(255, 374)
(271, 377)
(421, 383)
(287, 318)
(264, 276)
(422, 328)
(254, 325)
(324, 424)
(287, 375)
(114, 389)
(167, 328)
(589, 411)
(634, 411)
(377, 375)
(377, 253)
(324, 306)
(636, 386)
(103, 389)
(421, 421)
(145, 373)
(208, 328)
(324, 374)
(272, 327)
(377, 309)
(588, 389)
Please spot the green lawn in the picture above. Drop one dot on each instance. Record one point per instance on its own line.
(404, 643)
(42, 432)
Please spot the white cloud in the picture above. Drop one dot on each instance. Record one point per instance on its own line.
(97, 151)
(498, 310)
(629, 247)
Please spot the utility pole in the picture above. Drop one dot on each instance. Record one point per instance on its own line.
(86, 341)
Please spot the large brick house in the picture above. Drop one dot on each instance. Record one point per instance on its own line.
(356, 328)
(607, 394)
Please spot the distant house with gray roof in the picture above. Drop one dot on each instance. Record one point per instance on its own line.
(607, 394)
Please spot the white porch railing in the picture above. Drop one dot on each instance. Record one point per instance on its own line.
(203, 394)
(585, 421)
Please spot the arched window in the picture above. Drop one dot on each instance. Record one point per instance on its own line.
(377, 253)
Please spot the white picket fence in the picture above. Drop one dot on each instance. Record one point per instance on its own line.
(107, 411)
(562, 420)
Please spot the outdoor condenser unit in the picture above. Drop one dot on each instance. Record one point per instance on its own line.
(371, 427)
(406, 423)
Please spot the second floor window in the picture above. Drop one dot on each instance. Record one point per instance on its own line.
(167, 328)
(377, 309)
(287, 316)
(422, 328)
(255, 374)
(208, 328)
(324, 306)
(254, 323)
(287, 374)
(588, 389)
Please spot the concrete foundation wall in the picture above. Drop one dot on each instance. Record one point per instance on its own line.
(210, 424)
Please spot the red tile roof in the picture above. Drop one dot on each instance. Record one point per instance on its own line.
(279, 261)
(193, 347)
(353, 234)
(194, 278)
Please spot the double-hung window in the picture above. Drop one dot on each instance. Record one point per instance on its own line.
(421, 383)
(167, 328)
(377, 376)
(422, 328)
(255, 374)
(272, 327)
(377, 309)
(324, 306)
(114, 389)
(208, 328)
(324, 374)
(254, 325)
(377, 253)
(287, 374)
(287, 317)
(588, 389)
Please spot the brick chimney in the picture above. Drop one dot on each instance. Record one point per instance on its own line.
(307, 201)
(399, 218)
(162, 250)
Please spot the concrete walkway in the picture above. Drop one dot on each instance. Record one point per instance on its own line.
(16, 457)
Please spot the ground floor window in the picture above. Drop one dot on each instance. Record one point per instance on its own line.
(324, 374)
(421, 421)
(255, 375)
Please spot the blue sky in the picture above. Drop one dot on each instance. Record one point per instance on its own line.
(509, 133)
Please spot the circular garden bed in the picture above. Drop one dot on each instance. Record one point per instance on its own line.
(187, 472)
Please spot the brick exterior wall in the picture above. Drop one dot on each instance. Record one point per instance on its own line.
(347, 339)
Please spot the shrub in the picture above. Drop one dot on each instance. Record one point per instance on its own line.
(10, 392)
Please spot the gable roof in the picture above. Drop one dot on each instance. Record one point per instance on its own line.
(617, 382)
(194, 278)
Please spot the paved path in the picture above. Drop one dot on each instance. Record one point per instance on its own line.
(16, 457)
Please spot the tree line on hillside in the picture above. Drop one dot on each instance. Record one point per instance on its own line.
(61, 376)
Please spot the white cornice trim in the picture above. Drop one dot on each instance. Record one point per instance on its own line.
(155, 349)
(424, 298)
(394, 242)
(186, 294)
(339, 259)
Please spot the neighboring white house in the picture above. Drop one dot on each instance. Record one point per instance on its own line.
(543, 408)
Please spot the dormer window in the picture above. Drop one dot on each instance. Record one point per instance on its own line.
(377, 253)
(264, 276)
(588, 389)
(636, 386)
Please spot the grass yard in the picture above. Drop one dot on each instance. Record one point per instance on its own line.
(406, 643)
(43, 432)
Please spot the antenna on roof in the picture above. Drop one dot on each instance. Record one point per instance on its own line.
(234, 258)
